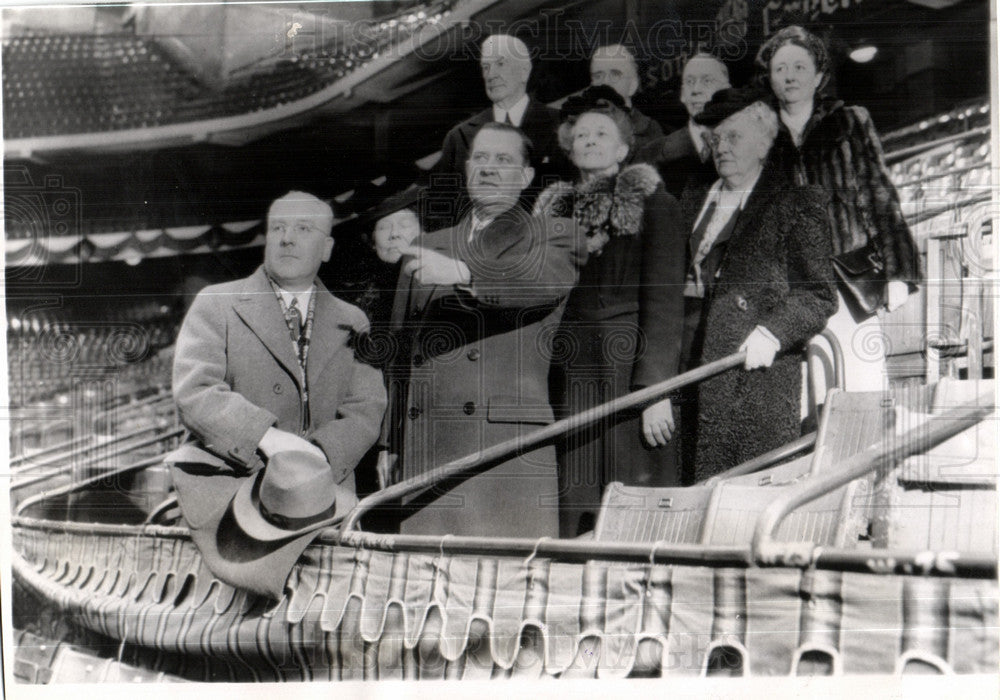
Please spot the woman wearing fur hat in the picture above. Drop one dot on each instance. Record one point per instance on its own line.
(623, 322)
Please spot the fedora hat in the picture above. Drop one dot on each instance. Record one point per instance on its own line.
(293, 495)
(245, 552)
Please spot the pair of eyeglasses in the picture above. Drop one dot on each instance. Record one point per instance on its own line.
(298, 228)
(732, 138)
(705, 80)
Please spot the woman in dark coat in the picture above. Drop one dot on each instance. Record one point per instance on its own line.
(772, 292)
(822, 142)
(395, 223)
(622, 326)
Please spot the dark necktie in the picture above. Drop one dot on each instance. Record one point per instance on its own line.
(507, 119)
(294, 319)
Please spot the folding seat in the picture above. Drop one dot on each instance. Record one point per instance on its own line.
(644, 514)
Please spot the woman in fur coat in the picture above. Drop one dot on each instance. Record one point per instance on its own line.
(623, 322)
(822, 142)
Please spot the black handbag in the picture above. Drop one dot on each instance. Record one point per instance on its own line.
(862, 277)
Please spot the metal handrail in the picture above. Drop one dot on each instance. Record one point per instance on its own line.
(904, 153)
(176, 432)
(920, 217)
(945, 173)
(765, 460)
(93, 446)
(917, 439)
(160, 509)
(90, 481)
(518, 444)
(148, 401)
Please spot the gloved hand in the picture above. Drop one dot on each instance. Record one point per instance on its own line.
(899, 292)
(761, 347)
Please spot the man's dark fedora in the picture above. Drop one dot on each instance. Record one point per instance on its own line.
(293, 495)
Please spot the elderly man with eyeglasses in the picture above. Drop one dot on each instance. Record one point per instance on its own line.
(683, 156)
(760, 259)
(266, 364)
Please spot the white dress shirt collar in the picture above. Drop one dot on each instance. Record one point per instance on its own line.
(516, 111)
(302, 299)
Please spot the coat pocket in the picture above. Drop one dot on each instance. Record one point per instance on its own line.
(508, 409)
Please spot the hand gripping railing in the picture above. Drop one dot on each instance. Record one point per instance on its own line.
(524, 442)
(886, 453)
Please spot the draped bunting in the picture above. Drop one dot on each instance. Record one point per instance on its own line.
(125, 245)
(367, 615)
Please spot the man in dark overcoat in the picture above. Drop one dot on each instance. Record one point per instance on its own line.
(266, 364)
(614, 65)
(481, 301)
(771, 290)
(683, 156)
(506, 66)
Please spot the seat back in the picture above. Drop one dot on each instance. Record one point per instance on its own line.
(645, 514)
(851, 422)
(734, 512)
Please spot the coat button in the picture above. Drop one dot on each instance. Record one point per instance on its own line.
(473, 354)
(742, 303)
(469, 408)
(418, 360)
(277, 389)
(413, 413)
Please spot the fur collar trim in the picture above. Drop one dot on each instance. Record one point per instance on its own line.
(604, 207)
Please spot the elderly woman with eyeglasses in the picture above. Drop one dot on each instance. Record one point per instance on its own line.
(822, 142)
(622, 326)
(762, 263)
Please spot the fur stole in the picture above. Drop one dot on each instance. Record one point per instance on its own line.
(604, 207)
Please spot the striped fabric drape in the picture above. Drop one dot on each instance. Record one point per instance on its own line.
(368, 615)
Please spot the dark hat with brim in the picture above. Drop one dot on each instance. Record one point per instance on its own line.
(207, 494)
(408, 198)
(725, 103)
(595, 97)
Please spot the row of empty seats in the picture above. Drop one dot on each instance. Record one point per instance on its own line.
(48, 356)
(939, 500)
(69, 84)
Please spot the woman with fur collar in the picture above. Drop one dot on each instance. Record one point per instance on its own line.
(623, 322)
(823, 142)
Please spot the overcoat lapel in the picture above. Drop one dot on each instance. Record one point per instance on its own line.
(260, 310)
(758, 200)
(326, 339)
(469, 128)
